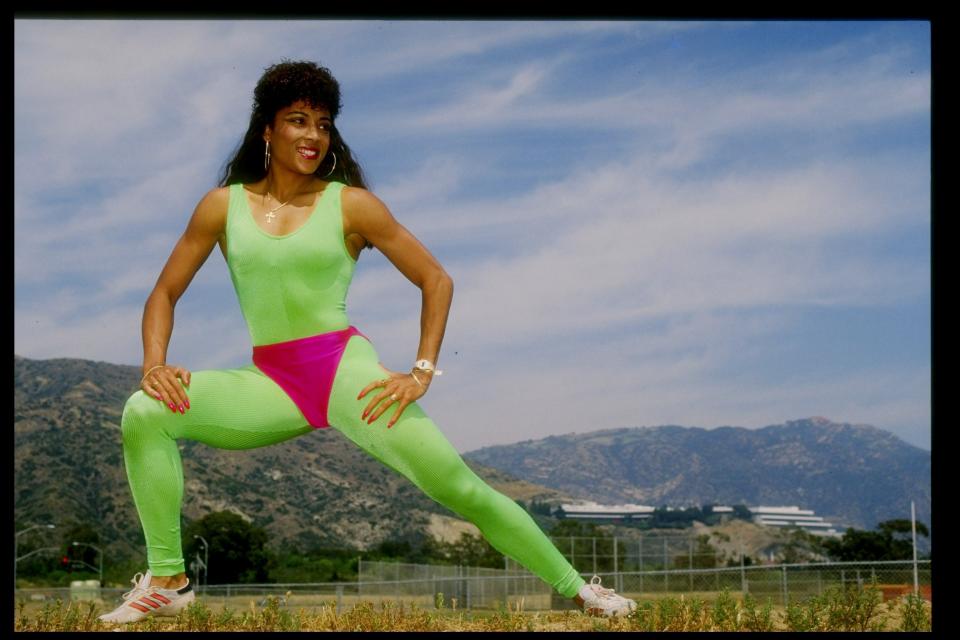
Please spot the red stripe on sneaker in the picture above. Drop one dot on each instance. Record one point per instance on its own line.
(139, 607)
(160, 598)
(146, 600)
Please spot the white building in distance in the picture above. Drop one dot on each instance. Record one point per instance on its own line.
(793, 517)
(594, 511)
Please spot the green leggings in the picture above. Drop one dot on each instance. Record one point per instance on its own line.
(245, 409)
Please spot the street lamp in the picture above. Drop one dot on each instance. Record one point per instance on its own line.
(99, 550)
(206, 560)
(16, 542)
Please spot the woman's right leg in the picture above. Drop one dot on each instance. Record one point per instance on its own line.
(229, 409)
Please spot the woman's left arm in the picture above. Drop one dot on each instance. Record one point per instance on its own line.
(366, 215)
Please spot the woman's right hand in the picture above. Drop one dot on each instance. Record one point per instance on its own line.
(162, 383)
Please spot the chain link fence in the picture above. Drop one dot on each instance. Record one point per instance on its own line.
(643, 567)
(482, 588)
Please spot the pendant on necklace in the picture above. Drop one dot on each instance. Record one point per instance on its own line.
(270, 215)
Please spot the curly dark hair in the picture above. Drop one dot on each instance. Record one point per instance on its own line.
(281, 85)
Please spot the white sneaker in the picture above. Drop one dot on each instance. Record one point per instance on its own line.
(599, 601)
(144, 600)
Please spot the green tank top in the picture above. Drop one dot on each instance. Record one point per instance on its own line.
(291, 286)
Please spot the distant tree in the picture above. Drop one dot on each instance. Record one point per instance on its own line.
(314, 565)
(665, 518)
(391, 549)
(82, 558)
(576, 527)
(81, 532)
(704, 553)
(802, 546)
(237, 551)
(735, 561)
(540, 508)
(581, 542)
(418, 550)
(473, 551)
(893, 541)
(742, 512)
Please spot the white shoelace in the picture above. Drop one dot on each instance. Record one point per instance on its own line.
(137, 589)
(602, 592)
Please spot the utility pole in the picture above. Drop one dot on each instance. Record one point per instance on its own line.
(913, 524)
(206, 561)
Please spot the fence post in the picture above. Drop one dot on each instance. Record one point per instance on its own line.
(690, 562)
(640, 554)
(784, 584)
(743, 572)
(616, 567)
(339, 598)
(666, 572)
(594, 555)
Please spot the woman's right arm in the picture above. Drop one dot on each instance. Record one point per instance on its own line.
(205, 228)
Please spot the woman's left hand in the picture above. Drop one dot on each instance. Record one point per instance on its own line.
(400, 388)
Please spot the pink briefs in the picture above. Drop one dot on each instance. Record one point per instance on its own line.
(305, 369)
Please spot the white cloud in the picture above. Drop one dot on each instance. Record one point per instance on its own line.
(801, 94)
(427, 45)
(618, 294)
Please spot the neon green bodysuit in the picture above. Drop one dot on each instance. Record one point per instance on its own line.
(292, 292)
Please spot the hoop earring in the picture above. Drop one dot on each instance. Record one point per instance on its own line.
(334, 164)
(266, 156)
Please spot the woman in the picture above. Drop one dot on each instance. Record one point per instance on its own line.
(291, 216)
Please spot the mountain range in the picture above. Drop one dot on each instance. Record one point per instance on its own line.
(321, 490)
(853, 475)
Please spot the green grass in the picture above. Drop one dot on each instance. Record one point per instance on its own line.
(848, 609)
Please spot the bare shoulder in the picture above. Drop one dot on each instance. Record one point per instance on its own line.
(211, 212)
(363, 212)
(357, 198)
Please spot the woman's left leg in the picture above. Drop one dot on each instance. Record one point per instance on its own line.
(417, 449)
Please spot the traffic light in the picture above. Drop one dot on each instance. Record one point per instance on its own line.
(66, 563)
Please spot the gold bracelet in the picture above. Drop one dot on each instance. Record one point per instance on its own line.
(149, 370)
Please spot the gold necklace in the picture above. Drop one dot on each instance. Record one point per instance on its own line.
(270, 215)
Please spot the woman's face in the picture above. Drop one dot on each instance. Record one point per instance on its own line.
(299, 137)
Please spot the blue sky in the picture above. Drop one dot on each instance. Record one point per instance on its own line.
(693, 223)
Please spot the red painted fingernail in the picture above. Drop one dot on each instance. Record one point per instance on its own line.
(181, 409)
(172, 408)
(157, 396)
(188, 404)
